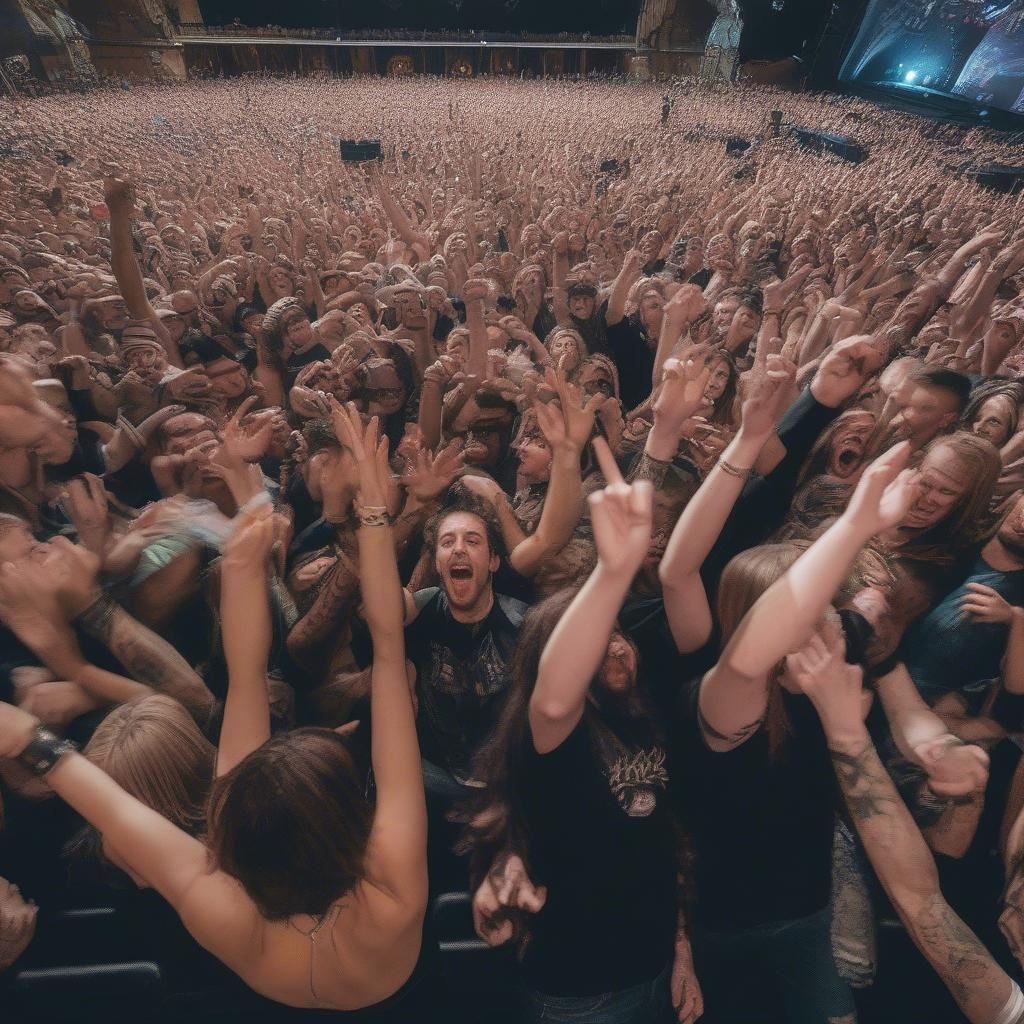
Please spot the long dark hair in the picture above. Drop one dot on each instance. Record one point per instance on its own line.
(495, 819)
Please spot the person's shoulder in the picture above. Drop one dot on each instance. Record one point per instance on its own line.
(425, 597)
(512, 608)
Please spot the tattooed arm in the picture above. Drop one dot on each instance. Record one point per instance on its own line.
(148, 658)
(311, 639)
(892, 841)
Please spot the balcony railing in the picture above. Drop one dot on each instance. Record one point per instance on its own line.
(454, 36)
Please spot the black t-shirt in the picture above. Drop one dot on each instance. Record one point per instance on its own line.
(761, 826)
(462, 676)
(610, 916)
(633, 353)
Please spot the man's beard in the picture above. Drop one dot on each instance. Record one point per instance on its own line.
(1011, 543)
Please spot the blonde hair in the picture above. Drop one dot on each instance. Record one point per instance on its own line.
(153, 750)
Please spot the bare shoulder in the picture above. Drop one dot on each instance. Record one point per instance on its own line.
(223, 919)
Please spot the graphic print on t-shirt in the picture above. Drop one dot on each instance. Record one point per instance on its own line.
(634, 780)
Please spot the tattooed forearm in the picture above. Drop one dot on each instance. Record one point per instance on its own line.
(147, 657)
(973, 978)
(865, 784)
(649, 468)
(308, 640)
(906, 868)
(412, 517)
(744, 732)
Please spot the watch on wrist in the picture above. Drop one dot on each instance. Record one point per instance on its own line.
(43, 751)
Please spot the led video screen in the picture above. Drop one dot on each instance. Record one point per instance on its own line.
(973, 49)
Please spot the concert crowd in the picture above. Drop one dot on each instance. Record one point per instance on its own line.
(566, 506)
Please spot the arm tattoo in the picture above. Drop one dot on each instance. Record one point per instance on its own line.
(649, 468)
(744, 732)
(958, 956)
(147, 657)
(868, 795)
(320, 624)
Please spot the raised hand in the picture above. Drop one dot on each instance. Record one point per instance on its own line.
(369, 449)
(884, 494)
(430, 476)
(125, 444)
(84, 502)
(571, 422)
(765, 388)
(834, 687)
(686, 304)
(844, 368)
(681, 392)
(621, 515)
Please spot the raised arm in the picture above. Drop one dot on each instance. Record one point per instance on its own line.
(620, 289)
(398, 217)
(566, 429)
(702, 521)
(245, 619)
(399, 835)
(474, 292)
(213, 908)
(120, 202)
(621, 515)
(893, 843)
(734, 694)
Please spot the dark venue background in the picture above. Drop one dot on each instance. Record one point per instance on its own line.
(970, 49)
(599, 17)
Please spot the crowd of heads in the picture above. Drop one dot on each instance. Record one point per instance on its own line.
(541, 292)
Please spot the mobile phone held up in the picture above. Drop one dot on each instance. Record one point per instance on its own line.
(361, 151)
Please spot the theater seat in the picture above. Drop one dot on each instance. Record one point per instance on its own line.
(483, 980)
(96, 991)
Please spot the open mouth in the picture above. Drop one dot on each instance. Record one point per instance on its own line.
(848, 458)
(461, 573)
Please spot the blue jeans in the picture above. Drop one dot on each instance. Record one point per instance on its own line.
(647, 1003)
(743, 972)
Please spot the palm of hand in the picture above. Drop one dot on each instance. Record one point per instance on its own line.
(622, 525)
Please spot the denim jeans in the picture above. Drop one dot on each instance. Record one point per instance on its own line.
(648, 1003)
(746, 973)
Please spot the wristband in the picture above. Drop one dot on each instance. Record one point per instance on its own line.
(44, 751)
(130, 431)
(728, 467)
(373, 516)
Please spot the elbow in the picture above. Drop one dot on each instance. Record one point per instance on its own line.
(548, 708)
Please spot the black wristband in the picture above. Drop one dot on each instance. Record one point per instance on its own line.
(44, 751)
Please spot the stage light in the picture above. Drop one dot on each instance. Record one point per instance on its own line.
(910, 76)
